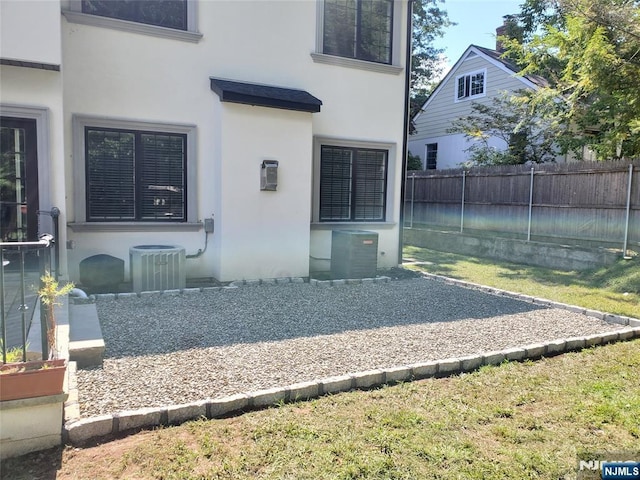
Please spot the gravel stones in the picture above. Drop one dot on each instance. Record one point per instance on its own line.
(175, 349)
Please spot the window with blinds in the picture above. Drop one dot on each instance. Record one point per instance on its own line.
(163, 13)
(352, 184)
(134, 175)
(358, 29)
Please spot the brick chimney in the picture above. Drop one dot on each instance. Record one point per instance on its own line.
(503, 30)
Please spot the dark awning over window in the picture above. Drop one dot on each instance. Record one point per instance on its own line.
(265, 95)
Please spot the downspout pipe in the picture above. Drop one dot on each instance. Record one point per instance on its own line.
(405, 141)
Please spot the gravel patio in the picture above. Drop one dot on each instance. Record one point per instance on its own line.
(172, 349)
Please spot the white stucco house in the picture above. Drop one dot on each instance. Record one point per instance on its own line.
(480, 75)
(153, 123)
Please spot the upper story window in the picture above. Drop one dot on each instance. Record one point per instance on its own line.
(162, 13)
(471, 85)
(173, 19)
(358, 29)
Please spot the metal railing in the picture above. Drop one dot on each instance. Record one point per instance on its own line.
(14, 290)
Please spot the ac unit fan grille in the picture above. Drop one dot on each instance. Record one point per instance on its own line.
(157, 267)
(354, 254)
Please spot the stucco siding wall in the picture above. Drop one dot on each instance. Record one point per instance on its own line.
(263, 234)
(127, 76)
(115, 74)
(30, 31)
(36, 90)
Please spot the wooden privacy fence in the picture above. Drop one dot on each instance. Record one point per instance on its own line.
(586, 201)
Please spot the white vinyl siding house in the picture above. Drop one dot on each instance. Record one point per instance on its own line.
(445, 105)
(125, 92)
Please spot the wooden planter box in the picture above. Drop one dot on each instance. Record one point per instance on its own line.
(32, 379)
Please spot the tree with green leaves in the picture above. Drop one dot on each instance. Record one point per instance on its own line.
(430, 21)
(414, 162)
(589, 51)
(527, 130)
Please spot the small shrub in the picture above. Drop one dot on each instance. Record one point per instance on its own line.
(13, 354)
(413, 162)
(49, 293)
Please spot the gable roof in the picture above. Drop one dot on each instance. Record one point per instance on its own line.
(497, 56)
(493, 57)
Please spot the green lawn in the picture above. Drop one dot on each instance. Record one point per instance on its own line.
(613, 289)
(521, 421)
(515, 421)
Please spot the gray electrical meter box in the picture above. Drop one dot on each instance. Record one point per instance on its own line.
(269, 175)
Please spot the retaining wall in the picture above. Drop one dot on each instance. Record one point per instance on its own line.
(563, 257)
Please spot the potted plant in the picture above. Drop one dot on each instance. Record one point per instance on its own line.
(37, 378)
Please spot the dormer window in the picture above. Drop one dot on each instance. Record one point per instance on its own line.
(471, 85)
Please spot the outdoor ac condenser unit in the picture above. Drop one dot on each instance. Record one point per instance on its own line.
(354, 254)
(157, 267)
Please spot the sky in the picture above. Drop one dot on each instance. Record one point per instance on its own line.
(477, 21)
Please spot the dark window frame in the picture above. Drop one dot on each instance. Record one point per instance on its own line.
(27, 178)
(354, 191)
(431, 156)
(135, 12)
(359, 52)
(139, 180)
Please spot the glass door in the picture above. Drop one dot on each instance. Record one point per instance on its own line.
(18, 180)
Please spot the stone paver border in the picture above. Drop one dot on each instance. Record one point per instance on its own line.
(233, 286)
(81, 431)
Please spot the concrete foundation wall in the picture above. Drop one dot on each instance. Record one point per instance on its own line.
(512, 250)
(30, 425)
